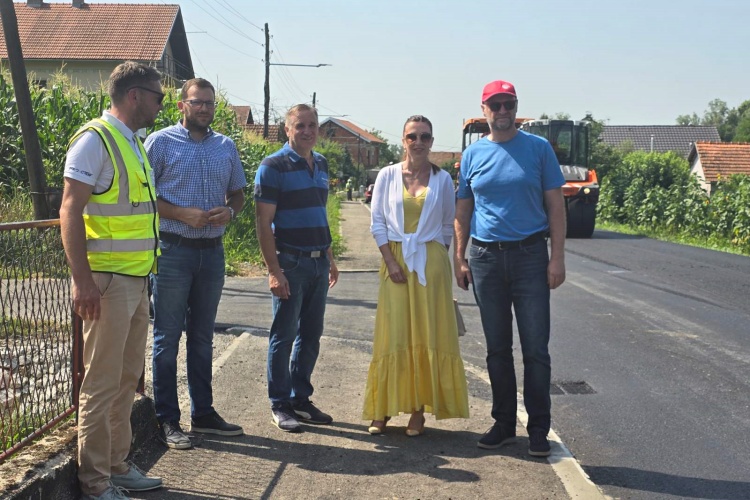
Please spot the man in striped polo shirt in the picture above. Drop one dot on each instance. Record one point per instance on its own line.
(291, 191)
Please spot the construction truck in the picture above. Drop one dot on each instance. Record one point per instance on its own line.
(570, 141)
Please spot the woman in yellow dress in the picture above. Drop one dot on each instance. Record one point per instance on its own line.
(416, 365)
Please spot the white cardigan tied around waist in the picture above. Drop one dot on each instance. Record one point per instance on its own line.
(435, 222)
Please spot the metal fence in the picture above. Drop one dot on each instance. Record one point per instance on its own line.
(40, 355)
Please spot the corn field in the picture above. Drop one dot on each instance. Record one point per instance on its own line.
(60, 109)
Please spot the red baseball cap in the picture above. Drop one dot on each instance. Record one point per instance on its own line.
(498, 87)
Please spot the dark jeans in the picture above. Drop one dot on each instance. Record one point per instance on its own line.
(187, 290)
(294, 341)
(517, 279)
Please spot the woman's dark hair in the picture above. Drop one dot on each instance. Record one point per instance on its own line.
(426, 121)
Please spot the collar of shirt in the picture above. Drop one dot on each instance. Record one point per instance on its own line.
(295, 157)
(184, 131)
(125, 131)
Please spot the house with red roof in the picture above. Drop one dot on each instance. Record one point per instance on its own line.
(87, 41)
(711, 161)
(245, 119)
(363, 147)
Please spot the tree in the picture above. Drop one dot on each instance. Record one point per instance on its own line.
(388, 153)
(693, 119)
(719, 115)
(742, 132)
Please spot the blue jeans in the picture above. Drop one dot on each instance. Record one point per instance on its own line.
(517, 279)
(186, 294)
(294, 341)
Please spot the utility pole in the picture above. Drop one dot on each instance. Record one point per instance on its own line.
(267, 86)
(25, 111)
(314, 94)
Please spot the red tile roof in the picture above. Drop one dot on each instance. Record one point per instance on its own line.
(94, 32)
(365, 135)
(244, 115)
(274, 132)
(722, 158)
(440, 158)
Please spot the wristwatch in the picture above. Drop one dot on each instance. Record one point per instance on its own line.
(231, 212)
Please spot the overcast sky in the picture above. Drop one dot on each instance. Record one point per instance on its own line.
(632, 63)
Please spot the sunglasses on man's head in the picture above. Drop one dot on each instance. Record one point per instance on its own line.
(496, 105)
(424, 137)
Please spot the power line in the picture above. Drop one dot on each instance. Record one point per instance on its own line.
(239, 15)
(234, 48)
(226, 24)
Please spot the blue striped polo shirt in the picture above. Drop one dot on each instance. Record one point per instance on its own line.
(284, 179)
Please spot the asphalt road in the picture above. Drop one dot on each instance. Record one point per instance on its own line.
(651, 362)
(660, 334)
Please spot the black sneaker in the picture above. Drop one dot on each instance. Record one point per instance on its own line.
(285, 419)
(214, 424)
(538, 444)
(307, 412)
(496, 437)
(174, 437)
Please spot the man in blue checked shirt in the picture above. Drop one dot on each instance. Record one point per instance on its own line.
(199, 182)
(291, 191)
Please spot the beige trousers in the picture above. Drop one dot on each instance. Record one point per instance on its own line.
(114, 348)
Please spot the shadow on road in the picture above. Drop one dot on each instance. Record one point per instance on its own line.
(668, 484)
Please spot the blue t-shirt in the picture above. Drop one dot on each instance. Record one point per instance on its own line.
(300, 196)
(507, 181)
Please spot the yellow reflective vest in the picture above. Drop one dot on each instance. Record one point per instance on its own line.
(122, 223)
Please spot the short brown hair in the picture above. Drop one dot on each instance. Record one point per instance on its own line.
(128, 75)
(296, 110)
(201, 83)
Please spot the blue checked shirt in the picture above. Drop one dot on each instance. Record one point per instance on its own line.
(193, 174)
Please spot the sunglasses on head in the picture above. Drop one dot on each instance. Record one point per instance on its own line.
(496, 105)
(424, 137)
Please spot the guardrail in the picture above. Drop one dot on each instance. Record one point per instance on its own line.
(40, 348)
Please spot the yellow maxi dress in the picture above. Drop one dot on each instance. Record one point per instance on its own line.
(416, 360)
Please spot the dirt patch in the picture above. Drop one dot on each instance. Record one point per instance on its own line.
(60, 440)
(249, 270)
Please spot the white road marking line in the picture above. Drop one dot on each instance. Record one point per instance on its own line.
(571, 474)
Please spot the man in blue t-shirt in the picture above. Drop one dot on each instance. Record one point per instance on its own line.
(291, 191)
(509, 201)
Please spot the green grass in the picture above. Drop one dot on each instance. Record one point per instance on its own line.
(710, 243)
(15, 204)
(334, 222)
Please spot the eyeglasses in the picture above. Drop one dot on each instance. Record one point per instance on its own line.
(496, 105)
(197, 103)
(424, 137)
(160, 94)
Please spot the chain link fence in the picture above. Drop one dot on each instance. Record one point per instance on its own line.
(40, 365)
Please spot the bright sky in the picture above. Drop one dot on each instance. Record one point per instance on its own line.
(635, 62)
